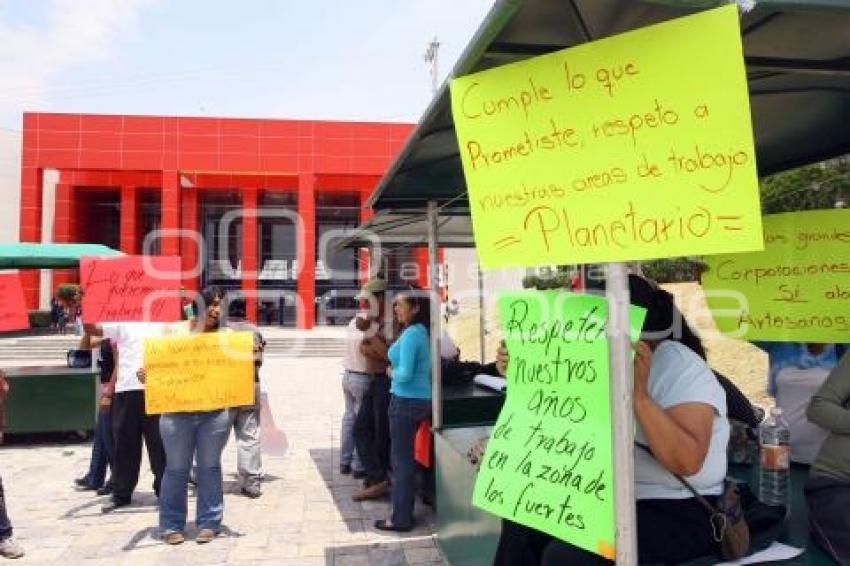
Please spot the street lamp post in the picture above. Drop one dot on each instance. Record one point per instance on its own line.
(432, 56)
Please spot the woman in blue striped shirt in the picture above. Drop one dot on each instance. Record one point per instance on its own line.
(410, 374)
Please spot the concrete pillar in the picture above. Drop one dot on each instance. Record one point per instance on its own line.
(306, 251)
(130, 220)
(189, 243)
(170, 243)
(250, 250)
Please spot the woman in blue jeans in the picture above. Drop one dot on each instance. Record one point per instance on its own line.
(198, 434)
(410, 375)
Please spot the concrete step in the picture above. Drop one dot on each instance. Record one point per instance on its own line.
(55, 348)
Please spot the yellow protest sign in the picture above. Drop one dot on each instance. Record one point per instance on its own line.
(796, 290)
(199, 372)
(632, 147)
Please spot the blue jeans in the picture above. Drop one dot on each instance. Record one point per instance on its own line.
(101, 450)
(354, 386)
(405, 415)
(184, 435)
(5, 523)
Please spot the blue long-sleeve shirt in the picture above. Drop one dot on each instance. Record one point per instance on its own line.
(410, 357)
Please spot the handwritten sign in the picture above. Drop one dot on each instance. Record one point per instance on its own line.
(199, 372)
(13, 307)
(632, 147)
(549, 462)
(131, 288)
(796, 290)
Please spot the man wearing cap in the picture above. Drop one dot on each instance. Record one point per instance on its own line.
(371, 426)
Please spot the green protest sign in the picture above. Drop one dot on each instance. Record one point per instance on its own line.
(548, 464)
(796, 290)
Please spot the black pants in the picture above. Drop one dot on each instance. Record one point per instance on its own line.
(669, 531)
(372, 430)
(828, 501)
(5, 523)
(129, 425)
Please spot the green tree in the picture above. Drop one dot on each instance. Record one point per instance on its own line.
(821, 185)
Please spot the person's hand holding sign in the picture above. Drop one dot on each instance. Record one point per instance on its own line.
(502, 358)
(643, 362)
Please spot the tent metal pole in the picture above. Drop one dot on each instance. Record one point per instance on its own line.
(436, 320)
(622, 412)
(482, 329)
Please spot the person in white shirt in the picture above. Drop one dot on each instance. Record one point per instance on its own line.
(448, 349)
(130, 423)
(796, 372)
(682, 429)
(355, 383)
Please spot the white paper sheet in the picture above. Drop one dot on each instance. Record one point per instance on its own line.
(774, 552)
(490, 381)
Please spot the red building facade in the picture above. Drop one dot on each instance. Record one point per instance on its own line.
(225, 194)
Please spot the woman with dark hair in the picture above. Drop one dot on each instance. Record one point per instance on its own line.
(201, 435)
(680, 412)
(410, 375)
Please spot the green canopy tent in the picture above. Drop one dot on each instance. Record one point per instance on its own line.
(798, 69)
(51, 398)
(49, 256)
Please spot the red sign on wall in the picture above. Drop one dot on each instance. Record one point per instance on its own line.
(13, 308)
(131, 288)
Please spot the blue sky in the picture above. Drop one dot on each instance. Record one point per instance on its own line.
(319, 59)
(329, 59)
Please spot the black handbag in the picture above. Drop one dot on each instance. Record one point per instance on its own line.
(727, 517)
(79, 359)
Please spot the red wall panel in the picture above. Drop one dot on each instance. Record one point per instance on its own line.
(155, 151)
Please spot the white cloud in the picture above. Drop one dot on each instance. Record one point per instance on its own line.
(31, 58)
(74, 32)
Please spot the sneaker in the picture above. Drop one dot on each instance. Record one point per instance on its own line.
(252, 491)
(174, 537)
(205, 536)
(105, 490)
(374, 491)
(344, 469)
(10, 549)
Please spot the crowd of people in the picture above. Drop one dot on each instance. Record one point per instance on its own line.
(182, 448)
(65, 308)
(682, 412)
(386, 384)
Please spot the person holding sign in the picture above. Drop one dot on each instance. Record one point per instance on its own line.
(410, 375)
(198, 435)
(828, 488)
(680, 409)
(130, 422)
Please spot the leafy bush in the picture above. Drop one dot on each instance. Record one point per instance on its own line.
(674, 270)
(68, 291)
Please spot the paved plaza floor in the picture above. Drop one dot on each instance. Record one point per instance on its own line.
(305, 516)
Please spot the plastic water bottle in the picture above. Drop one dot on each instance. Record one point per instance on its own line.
(775, 469)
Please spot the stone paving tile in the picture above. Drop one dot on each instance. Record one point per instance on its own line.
(305, 517)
